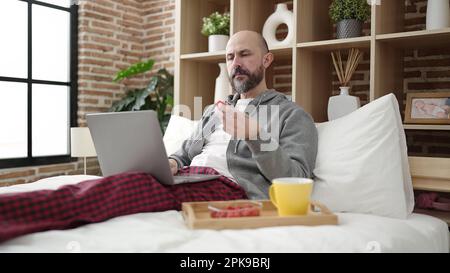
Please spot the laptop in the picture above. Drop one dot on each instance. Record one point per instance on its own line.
(132, 141)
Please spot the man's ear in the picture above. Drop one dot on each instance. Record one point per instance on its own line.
(267, 59)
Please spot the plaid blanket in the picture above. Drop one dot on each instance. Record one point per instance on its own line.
(97, 200)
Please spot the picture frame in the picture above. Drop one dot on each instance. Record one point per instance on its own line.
(428, 108)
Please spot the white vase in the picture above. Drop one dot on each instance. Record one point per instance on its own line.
(217, 42)
(281, 16)
(438, 14)
(222, 89)
(343, 104)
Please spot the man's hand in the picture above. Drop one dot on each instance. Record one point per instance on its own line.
(173, 166)
(238, 124)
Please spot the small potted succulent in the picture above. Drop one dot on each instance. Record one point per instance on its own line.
(217, 27)
(349, 16)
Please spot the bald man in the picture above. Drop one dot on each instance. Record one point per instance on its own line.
(236, 140)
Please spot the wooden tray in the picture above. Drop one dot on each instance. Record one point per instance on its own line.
(197, 216)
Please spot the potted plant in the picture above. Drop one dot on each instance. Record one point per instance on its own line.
(157, 96)
(349, 16)
(217, 27)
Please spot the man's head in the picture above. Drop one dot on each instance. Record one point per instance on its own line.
(247, 57)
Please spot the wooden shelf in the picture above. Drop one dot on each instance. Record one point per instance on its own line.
(311, 64)
(431, 174)
(430, 167)
(282, 52)
(314, 23)
(337, 44)
(427, 184)
(208, 57)
(437, 127)
(416, 39)
(443, 215)
(191, 13)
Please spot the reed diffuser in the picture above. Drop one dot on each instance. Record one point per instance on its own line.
(353, 60)
(344, 104)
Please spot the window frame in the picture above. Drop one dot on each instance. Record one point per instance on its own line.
(72, 84)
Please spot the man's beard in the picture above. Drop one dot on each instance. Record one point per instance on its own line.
(253, 79)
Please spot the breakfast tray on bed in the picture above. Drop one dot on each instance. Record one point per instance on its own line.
(197, 215)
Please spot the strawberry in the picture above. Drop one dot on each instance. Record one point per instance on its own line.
(254, 212)
(246, 213)
(233, 214)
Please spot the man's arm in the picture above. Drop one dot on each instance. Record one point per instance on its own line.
(294, 154)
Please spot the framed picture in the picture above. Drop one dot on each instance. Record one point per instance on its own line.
(428, 108)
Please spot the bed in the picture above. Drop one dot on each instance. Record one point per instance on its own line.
(372, 197)
(167, 232)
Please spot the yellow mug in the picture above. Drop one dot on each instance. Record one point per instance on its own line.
(291, 195)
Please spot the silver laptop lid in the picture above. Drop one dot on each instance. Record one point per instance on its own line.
(130, 141)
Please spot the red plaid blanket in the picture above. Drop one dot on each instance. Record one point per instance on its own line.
(101, 199)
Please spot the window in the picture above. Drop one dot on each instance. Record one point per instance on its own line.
(38, 81)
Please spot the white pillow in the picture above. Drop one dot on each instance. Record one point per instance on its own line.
(362, 162)
(178, 130)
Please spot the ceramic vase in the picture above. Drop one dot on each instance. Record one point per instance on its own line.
(281, 16)
(222, 89)
(438, 14)
(342, 104)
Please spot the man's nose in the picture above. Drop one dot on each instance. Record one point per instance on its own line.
(236, 63)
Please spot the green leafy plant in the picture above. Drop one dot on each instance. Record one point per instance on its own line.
(134, 70)
(216, 24)
(349, 9)
(157, 96)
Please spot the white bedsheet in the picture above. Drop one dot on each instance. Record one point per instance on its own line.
(166, 232)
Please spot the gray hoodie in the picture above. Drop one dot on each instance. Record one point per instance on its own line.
(287, 147)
